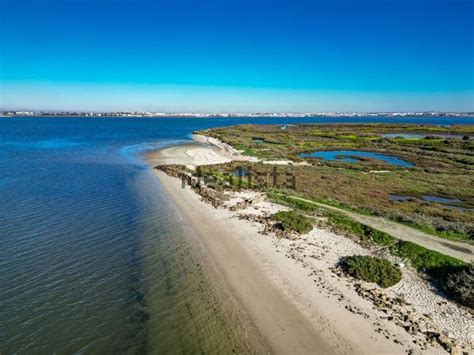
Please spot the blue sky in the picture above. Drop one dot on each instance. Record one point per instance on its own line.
(224, 55)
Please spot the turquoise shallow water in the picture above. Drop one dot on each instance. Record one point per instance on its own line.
(93, 256)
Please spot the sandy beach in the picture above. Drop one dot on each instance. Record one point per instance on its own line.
(204, 151)
(290, 291)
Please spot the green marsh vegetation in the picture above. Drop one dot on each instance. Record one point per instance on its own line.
(365, 188)
(443, 167)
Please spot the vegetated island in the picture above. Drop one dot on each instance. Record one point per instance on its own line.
(353, 238)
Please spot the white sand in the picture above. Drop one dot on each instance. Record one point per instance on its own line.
(284, 329)
(229, 152)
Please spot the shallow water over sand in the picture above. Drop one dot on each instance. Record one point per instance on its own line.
(94, 256)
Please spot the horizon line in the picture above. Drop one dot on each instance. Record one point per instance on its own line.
(171, 113)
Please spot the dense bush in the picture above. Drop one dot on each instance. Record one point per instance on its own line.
(370, 269)
(459, 285)
(291, 220)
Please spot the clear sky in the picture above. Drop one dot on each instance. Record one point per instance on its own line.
(226, 55)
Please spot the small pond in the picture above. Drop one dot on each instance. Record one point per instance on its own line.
(442, 200)
(240, 172)
(422, 135)
(447, 202)
(401, 198)
(351, 156)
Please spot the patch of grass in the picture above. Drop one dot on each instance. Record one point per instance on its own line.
(248, 151)
(291, 202)
(292, 220)
(432, 262)
(348, 136)
(297, 203)
(360, 230)
(447, 234)
(347, 207)
(370, 269)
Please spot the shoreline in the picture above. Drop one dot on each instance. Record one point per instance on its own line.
(14, 113)
(288, 289)
(283, 330)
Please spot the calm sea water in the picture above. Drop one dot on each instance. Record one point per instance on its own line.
(93, 255)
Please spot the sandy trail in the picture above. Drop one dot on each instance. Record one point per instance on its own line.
(458, 250)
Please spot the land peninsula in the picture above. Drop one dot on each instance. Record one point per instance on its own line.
(336, 238)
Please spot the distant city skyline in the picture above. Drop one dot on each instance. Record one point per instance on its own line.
(242, 56)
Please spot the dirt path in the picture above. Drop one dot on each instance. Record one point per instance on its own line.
(462, 251)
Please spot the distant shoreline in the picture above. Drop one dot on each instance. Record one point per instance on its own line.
(428, 114)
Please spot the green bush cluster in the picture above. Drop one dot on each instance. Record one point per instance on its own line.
(459, 283)
(292, 220)
(370, 269)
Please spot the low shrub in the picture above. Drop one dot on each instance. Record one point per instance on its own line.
(291, 220)
(370, 269)
(459, 285)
